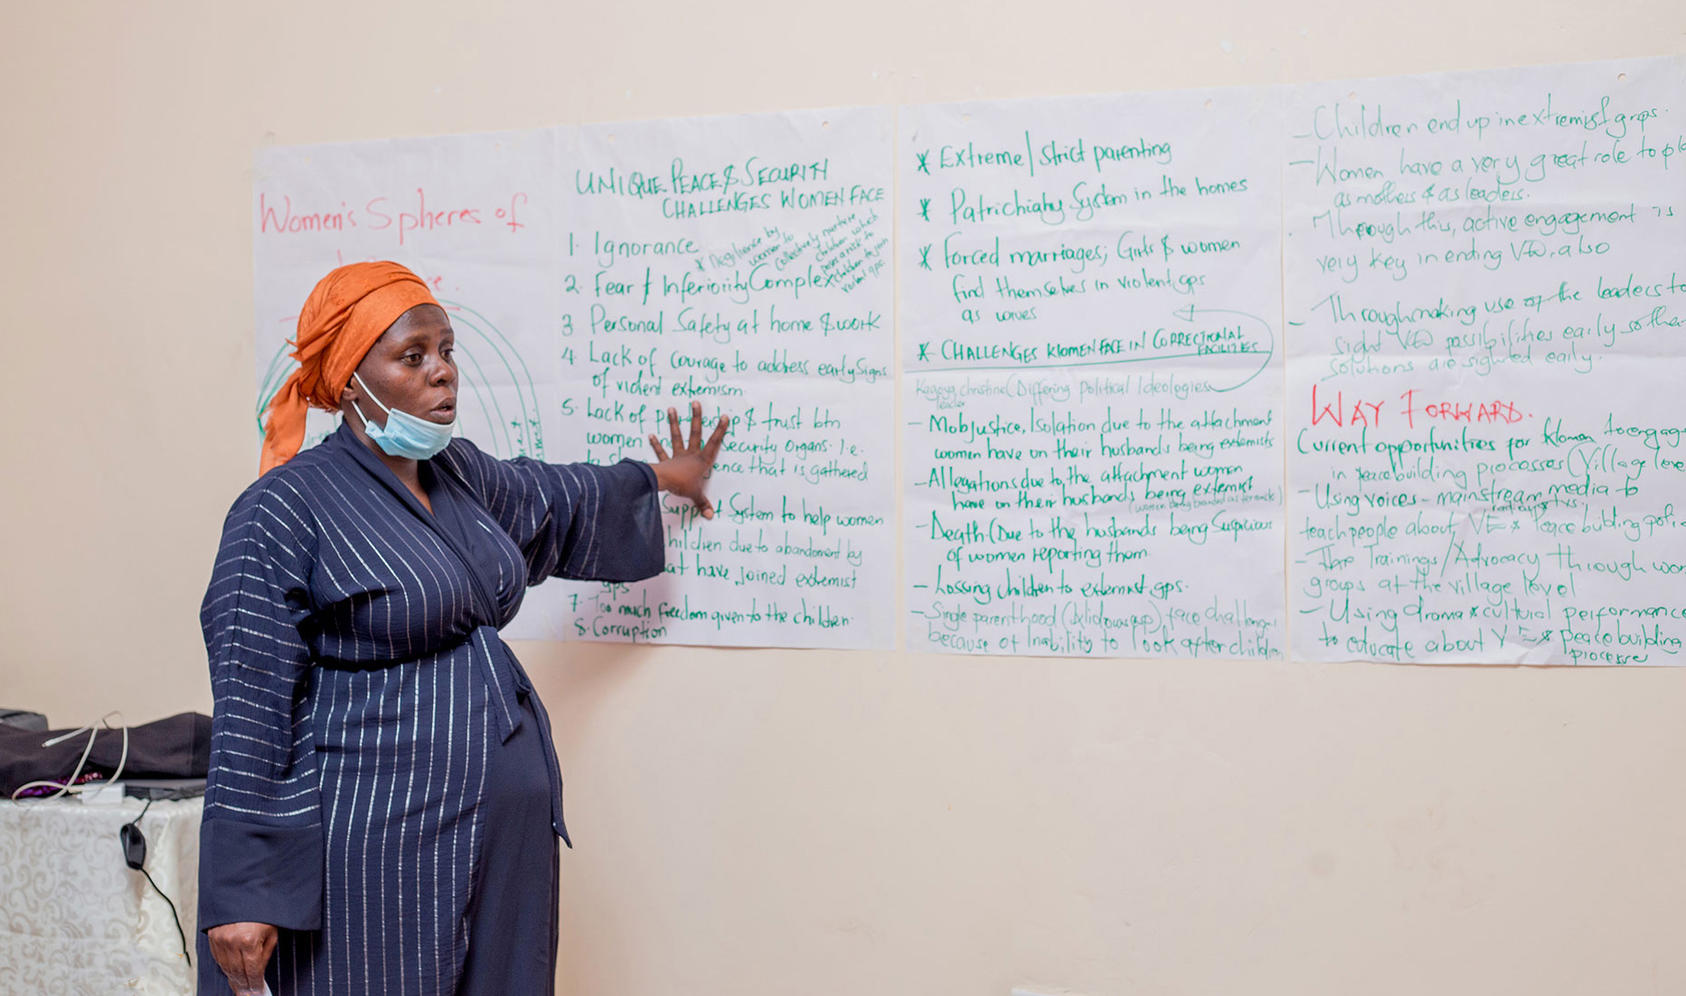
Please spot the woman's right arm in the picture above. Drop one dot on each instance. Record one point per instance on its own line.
(583, 521)
(261, 841)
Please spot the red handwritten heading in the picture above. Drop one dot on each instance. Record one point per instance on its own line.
(405, 217)
(1411, 407)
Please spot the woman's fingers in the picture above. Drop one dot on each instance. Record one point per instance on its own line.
(243, 951)
(228, 956)
(255, 962)
(673, 428)
(715, 438)
(242, 964)
(686, 478)
(257, 959)
(234, 967)
(696, 426)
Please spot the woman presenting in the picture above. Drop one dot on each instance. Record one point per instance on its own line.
(384, 801)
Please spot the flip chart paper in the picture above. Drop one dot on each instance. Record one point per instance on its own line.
(1486, 287)
(744, 262)
(1090, 294)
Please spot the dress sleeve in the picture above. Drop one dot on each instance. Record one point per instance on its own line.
(575, 520)
(261, 841)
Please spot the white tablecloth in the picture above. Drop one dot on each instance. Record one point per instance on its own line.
(74, 919)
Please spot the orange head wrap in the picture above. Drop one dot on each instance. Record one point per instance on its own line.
(344, 315)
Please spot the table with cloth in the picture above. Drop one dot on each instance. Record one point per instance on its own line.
(74, 918)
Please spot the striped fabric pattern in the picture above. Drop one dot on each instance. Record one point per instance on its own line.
(359, 684)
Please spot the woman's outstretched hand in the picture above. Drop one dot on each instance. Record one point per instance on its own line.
(684, 472)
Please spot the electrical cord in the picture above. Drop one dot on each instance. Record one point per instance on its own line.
(134, 855)
(129, 834)
(69, 784)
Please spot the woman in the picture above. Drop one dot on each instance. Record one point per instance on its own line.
(384, 799)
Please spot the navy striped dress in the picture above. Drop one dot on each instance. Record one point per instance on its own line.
(370, 728)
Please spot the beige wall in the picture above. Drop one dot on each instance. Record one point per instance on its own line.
(823, 824)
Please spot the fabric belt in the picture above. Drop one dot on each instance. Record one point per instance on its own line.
(499, 669)
(382, 663)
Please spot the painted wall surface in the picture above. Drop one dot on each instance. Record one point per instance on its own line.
(779, 822)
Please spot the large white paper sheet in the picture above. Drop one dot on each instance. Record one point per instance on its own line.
(743, 262)
(473, 215)
(1090, 295)
(1486, 288)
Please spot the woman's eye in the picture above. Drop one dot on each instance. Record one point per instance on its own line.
(412, 358)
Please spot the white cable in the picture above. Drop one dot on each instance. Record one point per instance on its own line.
(122, 761)
(64, 786)
(69, 784)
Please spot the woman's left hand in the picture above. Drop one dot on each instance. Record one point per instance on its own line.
(684, 472)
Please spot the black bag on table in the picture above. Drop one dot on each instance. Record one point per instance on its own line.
(178, 746)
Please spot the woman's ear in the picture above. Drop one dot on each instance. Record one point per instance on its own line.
(350, 397)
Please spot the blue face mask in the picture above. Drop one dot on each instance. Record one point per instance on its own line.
(405, 435)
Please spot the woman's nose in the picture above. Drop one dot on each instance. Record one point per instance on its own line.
(443, 373)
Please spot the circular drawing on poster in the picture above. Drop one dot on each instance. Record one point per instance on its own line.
(498, 404)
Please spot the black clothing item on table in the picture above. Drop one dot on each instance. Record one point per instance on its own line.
(178, 746)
